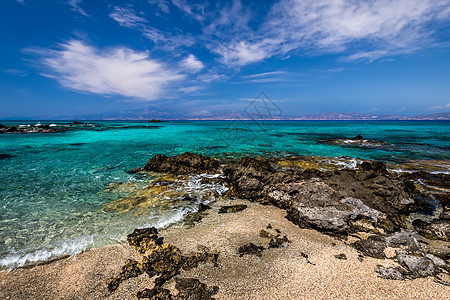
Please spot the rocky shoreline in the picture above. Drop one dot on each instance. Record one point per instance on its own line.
(373, 208)
(396, 225)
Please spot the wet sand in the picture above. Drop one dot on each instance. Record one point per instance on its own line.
(280, 273)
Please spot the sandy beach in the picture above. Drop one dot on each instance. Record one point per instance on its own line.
(279, 273)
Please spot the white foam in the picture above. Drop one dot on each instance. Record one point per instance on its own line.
(18, 258)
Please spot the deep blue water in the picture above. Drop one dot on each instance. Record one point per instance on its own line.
(52, 188)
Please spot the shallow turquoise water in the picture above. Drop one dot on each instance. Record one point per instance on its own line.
(52, 188)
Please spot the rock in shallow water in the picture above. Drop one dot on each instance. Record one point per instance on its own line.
(187, 163)
(436, 230)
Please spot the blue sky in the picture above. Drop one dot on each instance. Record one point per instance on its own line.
(207, 58)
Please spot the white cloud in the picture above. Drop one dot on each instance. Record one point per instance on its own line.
(207, 78)
(191, 63)
(363, 30)
(126, 16)
(166, 40)
(265, 74)
(196, 11)
(243, 53)
(120, 71)
(440, 107)
(368, 55)
(201, 113)
(162, 4)
(75, 4)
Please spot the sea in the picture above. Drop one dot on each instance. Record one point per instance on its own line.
(54, 186)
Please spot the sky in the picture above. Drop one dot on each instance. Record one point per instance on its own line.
(179, 58)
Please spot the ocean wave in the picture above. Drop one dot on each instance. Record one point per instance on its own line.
(20, 258)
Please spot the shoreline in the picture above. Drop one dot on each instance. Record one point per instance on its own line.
(279, 272)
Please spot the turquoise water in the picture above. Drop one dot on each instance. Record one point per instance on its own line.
(52, 188)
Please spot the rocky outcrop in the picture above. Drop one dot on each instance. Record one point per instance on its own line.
(366, 201)
(38, 128)
(357, 141)
(157, 259)
(435, 230)
(339, 201)
(187, 163)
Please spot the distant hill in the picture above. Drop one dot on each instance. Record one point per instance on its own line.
(333, 116)
(150, 112)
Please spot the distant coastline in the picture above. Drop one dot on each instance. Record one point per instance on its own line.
(332, 116)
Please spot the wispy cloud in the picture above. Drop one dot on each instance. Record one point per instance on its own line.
(21, 1)
(440, 107)
(196, 11)
(15, 72)
(165, 40)
(119, 71)
(265, 74)
(191, 63)
(127, 17)
(75, 4)
(364, 30)
(162, 4)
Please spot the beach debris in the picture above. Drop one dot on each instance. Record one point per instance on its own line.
(276, 241)
(341, 256)
(157, 258)
(232, 208)
(250, 248)
(306, 256)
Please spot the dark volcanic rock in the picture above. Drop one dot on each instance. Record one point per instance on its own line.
(374, 245)
(154, 121)
(191, 288)
(163, 261)
(277, 242)
(187, 163)
(393, 273)
(156, 293)
(417, 266)
(436, 230)
(340, 201)
(250, 248)
(232, 208)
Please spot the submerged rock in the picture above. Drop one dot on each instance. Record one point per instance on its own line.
(5, 156)
(357, 141)
(187, 163)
